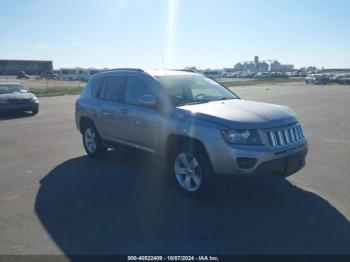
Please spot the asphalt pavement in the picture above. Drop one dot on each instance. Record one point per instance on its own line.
(55, 200)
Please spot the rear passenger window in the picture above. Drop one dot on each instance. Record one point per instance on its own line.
(135, 88)
(96, 87)
(113, 88)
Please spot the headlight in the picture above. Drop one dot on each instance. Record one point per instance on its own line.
(34, 100)
(241, 137)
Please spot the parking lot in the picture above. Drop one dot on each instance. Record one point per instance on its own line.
(36, 83)
(55, 200)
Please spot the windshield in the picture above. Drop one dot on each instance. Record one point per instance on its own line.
(10, 89)
(193, 89)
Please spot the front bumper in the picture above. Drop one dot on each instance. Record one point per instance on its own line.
(278, 168)
(270, 163)
(19, 107)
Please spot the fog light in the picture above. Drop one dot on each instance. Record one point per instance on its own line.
(246, 162)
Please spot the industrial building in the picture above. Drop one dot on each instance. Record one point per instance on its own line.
(262, 66)
(278, 67)
(31, 67)
(252, 66)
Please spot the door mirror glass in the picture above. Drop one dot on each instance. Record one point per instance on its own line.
(147, 101)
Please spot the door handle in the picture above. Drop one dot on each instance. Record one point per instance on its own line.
(105, 113)
(125, 111)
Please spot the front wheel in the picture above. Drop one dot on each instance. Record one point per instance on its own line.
(192, 171)
(92, 141)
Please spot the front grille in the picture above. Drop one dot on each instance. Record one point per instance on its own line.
(18, 101)
(284, 136)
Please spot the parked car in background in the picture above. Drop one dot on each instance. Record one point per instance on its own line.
(16, 97)
(197, 127)
(302, 74)
(317, 79)
(279, 75)
(48, 75)
(247, 75)
(335, 78)
(22, 75)
(342, 79)
(263, 75)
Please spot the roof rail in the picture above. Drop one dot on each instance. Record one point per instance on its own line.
(125, 69)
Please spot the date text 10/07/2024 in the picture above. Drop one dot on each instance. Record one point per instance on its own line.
(173, 258)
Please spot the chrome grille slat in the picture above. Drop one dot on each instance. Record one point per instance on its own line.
(292, 139)
(281, 137)
(286, 136)
(296, 130)
(294, 136)
(273, 139)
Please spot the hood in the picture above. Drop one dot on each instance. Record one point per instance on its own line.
(237, 113)
(16, 96)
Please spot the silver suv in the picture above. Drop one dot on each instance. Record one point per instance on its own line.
(196, 126)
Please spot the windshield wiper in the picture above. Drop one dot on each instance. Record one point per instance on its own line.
(194, 103)
(224, 98)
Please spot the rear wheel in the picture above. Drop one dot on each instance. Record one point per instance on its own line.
(192, 171)
(92, 141)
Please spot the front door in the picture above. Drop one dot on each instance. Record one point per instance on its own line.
(143, 123)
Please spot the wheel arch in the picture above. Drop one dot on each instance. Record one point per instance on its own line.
(84, 122)
(175, 140)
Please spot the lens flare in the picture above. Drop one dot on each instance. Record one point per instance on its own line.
(171, 23)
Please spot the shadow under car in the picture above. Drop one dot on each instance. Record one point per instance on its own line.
(123, 204)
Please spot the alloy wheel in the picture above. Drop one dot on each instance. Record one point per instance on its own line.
(187, 171)
(90, 140)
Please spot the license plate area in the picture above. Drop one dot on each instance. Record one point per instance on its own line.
(293, 163)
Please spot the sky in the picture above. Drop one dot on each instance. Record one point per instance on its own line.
(176, 33)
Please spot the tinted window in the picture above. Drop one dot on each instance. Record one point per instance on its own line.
(96, 87)
(135, 88)
(113, 88)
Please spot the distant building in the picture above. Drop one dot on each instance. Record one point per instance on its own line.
(256, 59)
(255, 66)
(238, 67)
(276, 66)
(287, 68)
(262, 66)
(31, 67)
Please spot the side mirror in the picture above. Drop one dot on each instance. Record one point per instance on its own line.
(148, 101)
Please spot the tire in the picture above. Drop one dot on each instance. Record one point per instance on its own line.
(92, 142)
(35, 111)
(191, 171)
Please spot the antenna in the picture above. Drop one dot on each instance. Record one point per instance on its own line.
(162, 54)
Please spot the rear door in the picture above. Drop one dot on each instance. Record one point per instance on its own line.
(111, 114)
